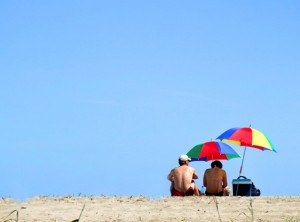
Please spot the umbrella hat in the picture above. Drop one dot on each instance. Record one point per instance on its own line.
(212, 151)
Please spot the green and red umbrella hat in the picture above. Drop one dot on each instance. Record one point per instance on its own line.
(212, 150)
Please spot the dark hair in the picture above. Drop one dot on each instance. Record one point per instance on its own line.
(216, 163)
(181, 162)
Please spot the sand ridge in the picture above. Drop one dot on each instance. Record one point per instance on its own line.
(139, 208)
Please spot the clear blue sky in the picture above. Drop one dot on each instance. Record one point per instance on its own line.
(101, 97)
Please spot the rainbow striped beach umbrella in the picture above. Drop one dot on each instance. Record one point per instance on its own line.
(248, 137)
(212, 151)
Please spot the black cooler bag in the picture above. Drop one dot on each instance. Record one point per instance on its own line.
(244, 187)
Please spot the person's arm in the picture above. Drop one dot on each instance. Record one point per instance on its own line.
(225, 180)
(204, 180)
(171, 176)
(195, 175)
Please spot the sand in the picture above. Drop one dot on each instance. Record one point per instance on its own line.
(139, 208)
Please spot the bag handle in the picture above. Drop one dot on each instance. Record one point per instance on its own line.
(242, 177)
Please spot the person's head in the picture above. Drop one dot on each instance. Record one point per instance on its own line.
(216, 163)
(183, 159)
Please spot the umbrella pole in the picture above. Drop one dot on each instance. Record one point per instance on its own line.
(241, 169)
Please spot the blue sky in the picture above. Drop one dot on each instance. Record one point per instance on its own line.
(102, 97)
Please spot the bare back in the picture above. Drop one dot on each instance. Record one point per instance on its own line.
(182, 177)
(215, 179)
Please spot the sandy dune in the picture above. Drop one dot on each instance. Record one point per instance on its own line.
(138, 208)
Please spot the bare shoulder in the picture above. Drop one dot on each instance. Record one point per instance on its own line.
(173, 169)
(192, 169)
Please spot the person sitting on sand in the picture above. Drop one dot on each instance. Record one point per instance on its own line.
(215, 179)
(182, 179)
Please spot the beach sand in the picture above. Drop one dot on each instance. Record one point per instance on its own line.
(139, 208)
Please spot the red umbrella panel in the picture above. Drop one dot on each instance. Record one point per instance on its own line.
(212, 151)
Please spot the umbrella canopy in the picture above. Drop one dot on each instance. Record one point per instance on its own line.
(212, 151)
(247, 136)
